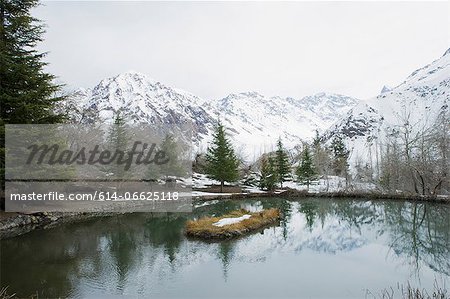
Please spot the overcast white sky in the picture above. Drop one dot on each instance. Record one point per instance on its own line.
(213, 49)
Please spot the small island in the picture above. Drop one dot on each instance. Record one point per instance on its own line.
(231, 225)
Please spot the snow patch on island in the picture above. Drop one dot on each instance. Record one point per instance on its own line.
(228, 221)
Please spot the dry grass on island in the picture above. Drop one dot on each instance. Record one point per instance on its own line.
(231, 225)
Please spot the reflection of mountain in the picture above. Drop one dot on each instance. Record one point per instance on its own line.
(332, 239)
(329, 237)
(143, 252)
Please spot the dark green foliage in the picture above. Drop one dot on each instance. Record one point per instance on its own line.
(27, 94)
(340, 156)
(282, 164)
(309, 209)
(221, 161)
(269, 176)
(306, 171)
(251, 180)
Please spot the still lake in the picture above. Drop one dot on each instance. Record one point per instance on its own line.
(323, 248)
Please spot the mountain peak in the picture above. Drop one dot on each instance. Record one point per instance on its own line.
(254, 120)
(134, 76)
(321, 94)
(246, 94)
(386, 89)
(128, 81)
(447, 52)
(324, 97)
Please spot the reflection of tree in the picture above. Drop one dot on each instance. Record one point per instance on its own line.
(55, 262)
(225, 253)
(49, 259)
(286, 212)
(122, 247)
(310, 210)
(166, 231)
(356, 213)
(421, 232)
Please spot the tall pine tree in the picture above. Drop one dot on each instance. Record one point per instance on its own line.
(27, 92)
(306, 171)
(316, 140)
(268, 178)
(117, 141)
(340, 158)
(282, 163)
(221, 161)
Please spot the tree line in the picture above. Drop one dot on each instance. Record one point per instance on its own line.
(411, 159)
(314, 161)
(414, 156)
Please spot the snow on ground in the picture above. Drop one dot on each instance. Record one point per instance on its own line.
(206, 203)
(252, 189)
(330, 184)
(228, 221)
(201, 193)
(200, 180)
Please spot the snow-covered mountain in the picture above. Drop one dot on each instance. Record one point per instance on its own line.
(257, 121)
(416, 101)
(140, 99)
(386, 89)
(254, 121)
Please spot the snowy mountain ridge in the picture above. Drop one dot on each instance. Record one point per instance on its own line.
(417, 102)
(254, 121)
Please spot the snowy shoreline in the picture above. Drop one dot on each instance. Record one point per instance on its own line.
(22, 223)
(208, 196)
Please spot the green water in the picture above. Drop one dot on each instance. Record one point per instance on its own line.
(323, 248)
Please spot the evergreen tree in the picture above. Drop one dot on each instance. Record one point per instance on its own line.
(221, 161)
(117, 141)
(306, 171)
(27, 94)
(171, 150)
(340, 157)
(268, 178)
(316, 140)
(282, 164)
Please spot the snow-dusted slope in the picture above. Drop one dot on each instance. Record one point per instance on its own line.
(257, 121)
(254, 121)
(417, 101)
(140, 99)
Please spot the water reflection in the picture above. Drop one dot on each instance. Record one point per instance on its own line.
(143, 254)
(420, 233)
